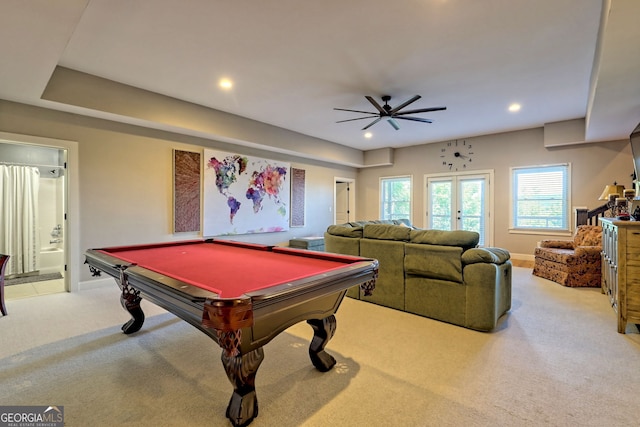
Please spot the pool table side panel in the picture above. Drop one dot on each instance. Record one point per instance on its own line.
(322, 299)
(269, 323)
(183, 307)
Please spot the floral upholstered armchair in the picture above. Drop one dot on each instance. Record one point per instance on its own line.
(573, 263)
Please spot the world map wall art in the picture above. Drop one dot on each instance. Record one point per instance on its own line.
(244, 194)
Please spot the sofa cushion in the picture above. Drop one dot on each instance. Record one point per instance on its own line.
(567, 256)
(462, 238)
(345, 231)
(588, 235)
(386, 232)
(404, 222)
(357, 223)
(560, 244)
(380, 221)
(434, 261)
(486, 255)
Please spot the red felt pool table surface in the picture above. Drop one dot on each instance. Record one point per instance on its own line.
(229, 270)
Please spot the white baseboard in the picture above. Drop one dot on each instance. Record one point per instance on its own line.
(523, 257)
(96, 283)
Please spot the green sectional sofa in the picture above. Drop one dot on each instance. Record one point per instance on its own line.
(433, 273)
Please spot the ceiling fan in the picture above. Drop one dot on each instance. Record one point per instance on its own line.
(391, 113)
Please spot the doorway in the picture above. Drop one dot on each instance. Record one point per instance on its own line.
(461, 201)
(54, 243)
(344, 200)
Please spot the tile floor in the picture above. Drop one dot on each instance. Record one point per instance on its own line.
(33, 289)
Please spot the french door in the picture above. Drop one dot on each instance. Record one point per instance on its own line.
(460, 202)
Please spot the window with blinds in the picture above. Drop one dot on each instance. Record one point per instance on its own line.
(540, 197)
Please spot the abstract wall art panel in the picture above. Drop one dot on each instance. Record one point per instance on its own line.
(186, 191)
(297, 197)
(244, 194)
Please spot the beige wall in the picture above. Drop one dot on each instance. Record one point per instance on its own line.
(592, 167)
(125, 178)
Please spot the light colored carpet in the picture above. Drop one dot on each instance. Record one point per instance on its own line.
(556, 360)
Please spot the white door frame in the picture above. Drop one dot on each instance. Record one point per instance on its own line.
(352, 197)
(489, 224)
(72, 208)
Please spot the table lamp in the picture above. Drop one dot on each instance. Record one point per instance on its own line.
(610, 194)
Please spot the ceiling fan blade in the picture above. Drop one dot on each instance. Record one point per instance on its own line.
(414, 119)
(393, 123)
(404, 104)
(359, 118)
(372, 123)
(375, 104)
(421, 110)
(355, 111)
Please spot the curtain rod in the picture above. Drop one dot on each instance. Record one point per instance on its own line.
(27, 164)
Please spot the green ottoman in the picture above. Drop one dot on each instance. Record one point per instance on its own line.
(309, 243)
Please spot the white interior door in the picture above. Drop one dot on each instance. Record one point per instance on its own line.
(344, 206)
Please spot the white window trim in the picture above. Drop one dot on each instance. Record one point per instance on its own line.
(541, 231)
(382, 178)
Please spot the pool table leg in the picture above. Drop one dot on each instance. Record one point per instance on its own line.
(130, 300)
(241, 371)
(323, 330)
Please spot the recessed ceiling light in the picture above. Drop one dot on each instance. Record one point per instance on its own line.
(515, 107)
(368, 135)
(226, 84)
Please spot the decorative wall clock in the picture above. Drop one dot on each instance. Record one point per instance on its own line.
(456, 155)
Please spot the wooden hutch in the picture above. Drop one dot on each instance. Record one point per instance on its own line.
(621, 268)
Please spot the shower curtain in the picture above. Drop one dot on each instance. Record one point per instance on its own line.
(19, 234)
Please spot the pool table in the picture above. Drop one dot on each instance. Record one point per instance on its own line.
(242, 295)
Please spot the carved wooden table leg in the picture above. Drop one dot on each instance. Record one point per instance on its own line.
(323, 331)
(241, 371)
(130, 300)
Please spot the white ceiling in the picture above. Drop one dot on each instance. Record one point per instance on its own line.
(293, 61)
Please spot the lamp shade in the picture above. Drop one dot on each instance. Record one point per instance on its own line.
(611, 189)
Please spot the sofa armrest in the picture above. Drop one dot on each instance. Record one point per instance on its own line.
(485, 255)
(588, 251)
(341, 245)
(488, 294)
(559, 244)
